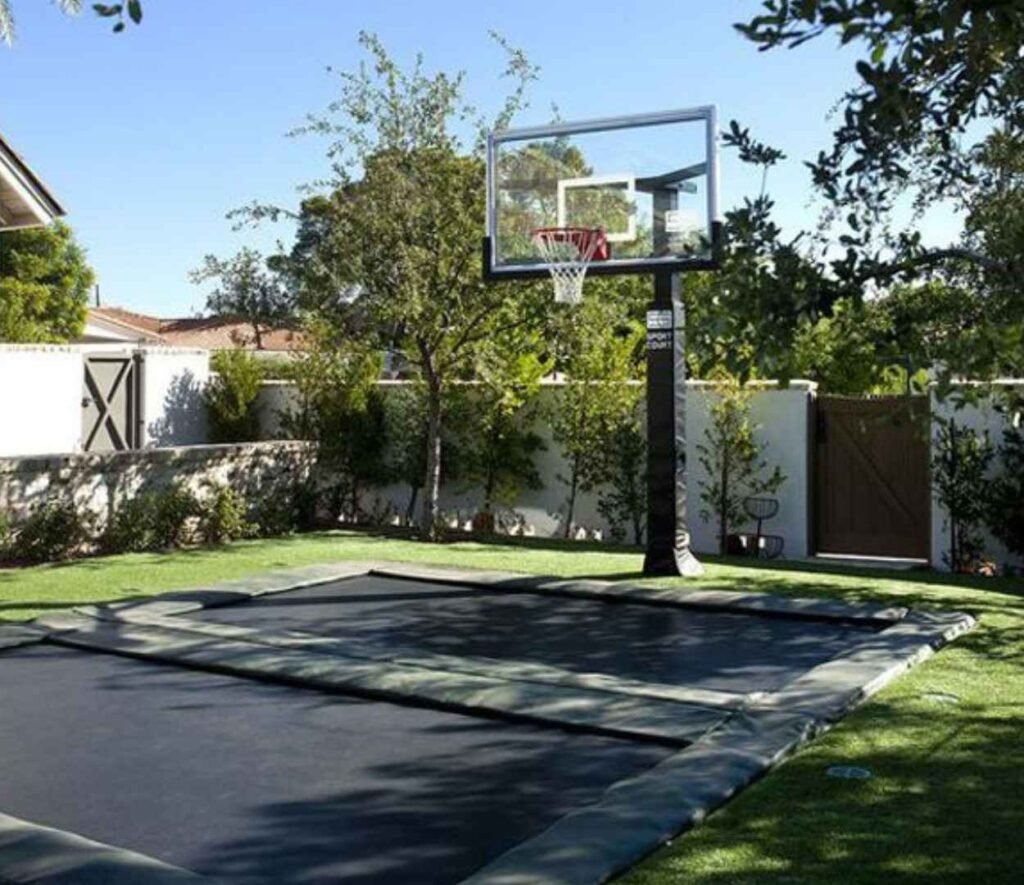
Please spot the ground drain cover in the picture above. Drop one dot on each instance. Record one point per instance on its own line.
(848, 772)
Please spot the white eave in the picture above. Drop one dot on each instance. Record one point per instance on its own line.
(24, 200)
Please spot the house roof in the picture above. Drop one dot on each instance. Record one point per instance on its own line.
(25, 201)
(211, 333)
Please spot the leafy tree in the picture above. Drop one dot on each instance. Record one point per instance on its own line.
(406, 419)
(937, 114)
(246, 289)
(928, 71)
(622, 499)
(498, 442)
(742, 319)
(403, 220)
(231, 395)
(960, 461)
(340, 408)
(600, 355)
(117, 11)
(44, 285)
(731, 457)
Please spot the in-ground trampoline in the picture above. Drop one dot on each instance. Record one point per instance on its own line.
(398, 724)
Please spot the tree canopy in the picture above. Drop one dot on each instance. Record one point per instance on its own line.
(246, 288)
(44, 285)
(394, 243)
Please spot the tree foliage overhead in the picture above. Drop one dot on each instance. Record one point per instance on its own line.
(937, 114)
(131, 10)
(44, 285)
(931, 69)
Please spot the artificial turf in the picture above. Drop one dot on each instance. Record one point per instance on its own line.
(944, 744)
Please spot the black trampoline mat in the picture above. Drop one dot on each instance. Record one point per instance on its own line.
(724, 651)
(255, 783)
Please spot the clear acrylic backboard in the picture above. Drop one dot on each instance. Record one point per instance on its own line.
(649, 182)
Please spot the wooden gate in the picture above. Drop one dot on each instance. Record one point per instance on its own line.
(110, 403)
(872, 476)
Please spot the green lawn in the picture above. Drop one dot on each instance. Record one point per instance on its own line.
(946, 802)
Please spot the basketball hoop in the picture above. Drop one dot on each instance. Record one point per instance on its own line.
(568, 252)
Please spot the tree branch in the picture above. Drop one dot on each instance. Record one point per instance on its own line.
(937, 256)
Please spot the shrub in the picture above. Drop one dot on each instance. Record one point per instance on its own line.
(283, 512)
(230, 397)
(1005, 516)
(152, 521)
(53, 532)
(130, 527)
(960, 461)
(173, 512)
(223, 517)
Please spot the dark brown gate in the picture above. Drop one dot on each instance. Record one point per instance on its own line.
(871, 476)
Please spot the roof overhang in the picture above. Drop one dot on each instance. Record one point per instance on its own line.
(24, 200)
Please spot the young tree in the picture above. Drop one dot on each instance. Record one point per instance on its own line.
(731, 457)
(230, 397)
(960, 461)
(622, 500)
(407, 423)
(1005, 516)
(246, 289)
(341, 409)
(403, 221)
(601, 357)
(498, 441)
(44, 285)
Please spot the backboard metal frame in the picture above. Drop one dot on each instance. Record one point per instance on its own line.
(671, 264)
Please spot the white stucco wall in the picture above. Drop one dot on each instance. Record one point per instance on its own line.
(173, 378)
(782, 414)
(40, 399)
(781, 417)
(982, 416)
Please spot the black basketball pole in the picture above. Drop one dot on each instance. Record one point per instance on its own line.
(668, 540)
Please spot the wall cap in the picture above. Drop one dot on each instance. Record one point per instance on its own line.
(171, 454)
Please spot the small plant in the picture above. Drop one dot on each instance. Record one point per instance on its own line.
(174, 512)
(287, 510)
(156, 520)
(222, 517)
(230, 397)
(53, 532)
(960, 461)
(731, 458)
(130, 527)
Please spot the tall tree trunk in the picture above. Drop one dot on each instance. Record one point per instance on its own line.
(723, 505)
(410, 508)
(432, 488)
(571, 508)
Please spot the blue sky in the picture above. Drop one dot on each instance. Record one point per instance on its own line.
(151, 136)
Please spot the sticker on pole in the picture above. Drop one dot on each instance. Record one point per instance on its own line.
(659, 320)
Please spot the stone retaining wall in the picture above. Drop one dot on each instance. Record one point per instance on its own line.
(98, 483)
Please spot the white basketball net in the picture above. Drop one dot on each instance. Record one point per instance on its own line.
(567, 251)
